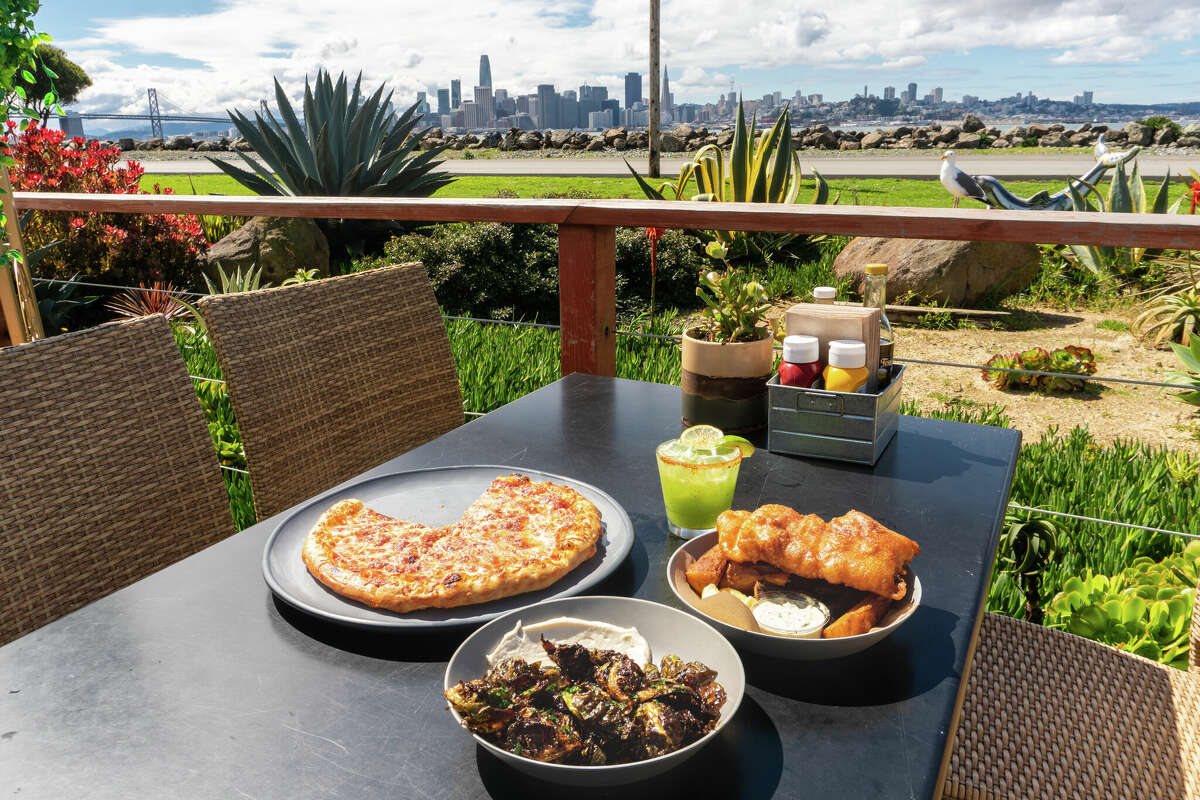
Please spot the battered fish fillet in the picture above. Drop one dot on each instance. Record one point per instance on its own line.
(852, 550)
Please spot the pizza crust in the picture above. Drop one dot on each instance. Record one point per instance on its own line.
(519, 536)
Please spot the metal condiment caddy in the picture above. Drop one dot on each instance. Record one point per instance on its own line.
(844, 426)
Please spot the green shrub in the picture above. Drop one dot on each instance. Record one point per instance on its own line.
(1159, 122)
(1145, 608)
(504, 271)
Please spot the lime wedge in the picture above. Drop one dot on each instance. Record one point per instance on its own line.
(740, 443)
(701, 437)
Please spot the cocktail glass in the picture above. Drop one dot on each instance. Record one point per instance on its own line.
(697, 481)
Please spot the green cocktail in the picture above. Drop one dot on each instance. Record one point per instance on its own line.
(698, 472)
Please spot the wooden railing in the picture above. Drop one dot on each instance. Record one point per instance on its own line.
(587, 229)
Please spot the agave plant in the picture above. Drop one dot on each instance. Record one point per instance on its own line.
(348, 145)
(1170, 317)
(1189, 376)
(762, 169)
(1126, 195)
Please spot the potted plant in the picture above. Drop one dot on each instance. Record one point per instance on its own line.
(728, 356)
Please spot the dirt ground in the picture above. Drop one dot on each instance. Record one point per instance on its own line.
(1116, 411)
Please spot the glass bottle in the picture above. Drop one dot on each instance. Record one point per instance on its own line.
(875, 296)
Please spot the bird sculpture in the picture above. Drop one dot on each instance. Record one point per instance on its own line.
(1109, 157)
(959, 183)
(1000, 196)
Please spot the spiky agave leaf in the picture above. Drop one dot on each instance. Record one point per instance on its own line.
(349, 144)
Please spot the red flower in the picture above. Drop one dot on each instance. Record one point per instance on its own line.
(76, 223)
(1194, 193)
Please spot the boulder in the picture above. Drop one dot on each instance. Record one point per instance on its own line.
(1054, 139)
(1001, 143)
(683, 131)
(277, 245)
(638, 139)
(825, 139)
(992, 133)
(1016, 134)
(1188, 141)
(670, 143)
(1096, 129)
(620, 143)
(529, 142)
(947, 272)
(1136, 133)
(180, 143)
(595, 145)
(972, 123)
(946, 135)
(434, 133)
(207, 147)
(872, 140)
(153, 144)
(241, 145)
(849, 144)
(1081, 139)
(902, 131)
(725, 138)
(1192, 129)
(1036, 130)
(1165, 135)
(1058, 126)
(968, 141)
(612, 134)
(125, 143)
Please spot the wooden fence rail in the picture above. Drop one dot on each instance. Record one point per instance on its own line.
(587, 261)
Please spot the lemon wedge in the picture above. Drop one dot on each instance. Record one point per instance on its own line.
(702, 437)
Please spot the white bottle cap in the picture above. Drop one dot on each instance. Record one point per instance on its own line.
(847, 354)
(824, 293)
(799, 349)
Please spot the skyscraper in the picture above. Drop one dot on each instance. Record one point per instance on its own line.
(889, 93)
(486, 106)
(912, 93)
(443, 101)
(633, 89)
(455, 93)
(547, 106)
(937, 94)
(485, 72)
(667, 105)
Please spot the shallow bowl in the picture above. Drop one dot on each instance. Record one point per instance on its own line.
(785, 647)
(668, 631)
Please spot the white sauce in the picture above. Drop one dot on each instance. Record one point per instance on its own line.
(525, 641)
(791, 613)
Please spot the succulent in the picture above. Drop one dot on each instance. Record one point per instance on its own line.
(734, 307)
(1189, 376)
(347, 145)
(1070, 359)
(759, 170)
(1170, 317)
(1002, 380)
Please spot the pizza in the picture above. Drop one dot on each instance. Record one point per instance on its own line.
(519, 536)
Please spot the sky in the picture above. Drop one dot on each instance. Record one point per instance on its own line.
(206, 56)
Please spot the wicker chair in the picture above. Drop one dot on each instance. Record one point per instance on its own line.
(107, 472)
(332, 377)
(1052, 715)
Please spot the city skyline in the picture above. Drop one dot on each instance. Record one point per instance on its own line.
(218, 53)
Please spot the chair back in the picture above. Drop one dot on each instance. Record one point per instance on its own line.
(332, 377)
(1194, 650)
(107, 471)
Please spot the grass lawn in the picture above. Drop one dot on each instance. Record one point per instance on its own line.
(853, 191)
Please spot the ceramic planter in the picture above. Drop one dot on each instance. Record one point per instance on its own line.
(725, 384)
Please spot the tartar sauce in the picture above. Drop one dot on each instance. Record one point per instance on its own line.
(790, 614)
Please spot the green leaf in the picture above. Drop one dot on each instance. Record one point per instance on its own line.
(27, 76)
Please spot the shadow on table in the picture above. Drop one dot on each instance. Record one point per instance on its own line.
(907, 664)
(745, 760)
(391, 646)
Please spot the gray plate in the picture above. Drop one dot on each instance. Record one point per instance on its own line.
(667, 630)
(433, 497)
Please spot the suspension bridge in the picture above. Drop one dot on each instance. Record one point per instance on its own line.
(155, 115)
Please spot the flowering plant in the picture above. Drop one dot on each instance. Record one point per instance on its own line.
(120, 248)
(736, 309)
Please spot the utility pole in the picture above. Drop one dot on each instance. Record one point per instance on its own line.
(655, 72)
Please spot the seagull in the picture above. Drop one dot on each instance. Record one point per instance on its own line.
(959, 183)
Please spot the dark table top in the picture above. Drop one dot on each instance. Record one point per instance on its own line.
(195, 682)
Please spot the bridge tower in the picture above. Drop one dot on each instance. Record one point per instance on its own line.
(155, 116)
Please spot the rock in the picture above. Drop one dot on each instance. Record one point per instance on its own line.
(1165, 135)
(905, 143)
(1096, 129)
(902, 131)
(725, 138)
(992, 133)
(972, 123)
(1054, 139)
(1192, 129)
(1036, 130)
(595, 145)
(825, 139)
(947, 272)
(431, 143)
(638, 139)
(968, 141)
(612, 134)
(683, 131)
(620, 143)
(1016, 134)
(125, 143)
(1001, 143)
(1081, 139)
(180, 143)
(670, 143)
(1058, 126)
(207, 147)
(153, 144)
(849, 144)
(945, 136)
(277, 245)
(529, 142)
(872, 140)
(434, 133)
(241, 145)
(1136, 133)
(1188, 141)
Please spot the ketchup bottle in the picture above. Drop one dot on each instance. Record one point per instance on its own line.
(801, 363)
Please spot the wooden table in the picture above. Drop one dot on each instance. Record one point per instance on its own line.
(195, 682)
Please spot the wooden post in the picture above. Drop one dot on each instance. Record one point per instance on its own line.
(29, 318)
(655, 105)
(587, 298)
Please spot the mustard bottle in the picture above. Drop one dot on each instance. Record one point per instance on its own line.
(847, 369)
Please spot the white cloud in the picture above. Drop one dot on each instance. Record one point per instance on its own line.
(228, 56)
